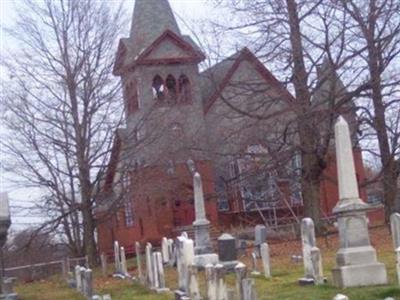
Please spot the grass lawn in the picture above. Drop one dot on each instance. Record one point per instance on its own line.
(283, 285)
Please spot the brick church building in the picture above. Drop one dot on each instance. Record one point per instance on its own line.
(180, 119)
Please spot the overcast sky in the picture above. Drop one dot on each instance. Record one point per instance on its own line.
(189, 13)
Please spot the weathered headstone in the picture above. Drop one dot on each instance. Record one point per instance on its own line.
(180, 262)
(211, 282)
(88, 292)
(221, 286)
(159, 272)
(203, 249)
(249, 291)
(356, 262)
(241, 273)
(264, 250)
(149, 266)
(124, 267)
(308, 241)
(139, 262)
(83, 289)
(164, 250)
(171, 253)
(117, 261)
(194, 292)
(227, 251)
(103, 260)
(78, 278)
(340, 297)
(188, 260)
(254, 266)
(316, 260)
(260, 236)
(395, 228)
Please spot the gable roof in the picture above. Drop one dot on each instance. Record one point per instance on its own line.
(150, 19)
(216, 78)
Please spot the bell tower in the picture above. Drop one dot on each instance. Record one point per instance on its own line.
(159, 71)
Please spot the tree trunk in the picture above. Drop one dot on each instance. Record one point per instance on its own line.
(389, 177)
(311, 170)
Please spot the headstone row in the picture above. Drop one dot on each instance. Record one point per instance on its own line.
(84, 281)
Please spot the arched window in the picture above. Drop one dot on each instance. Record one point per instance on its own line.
(184, 89)
(171, 88)
(158, 88)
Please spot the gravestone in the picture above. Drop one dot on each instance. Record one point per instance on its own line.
(180, 262)
(249, 291)
(395, 228)
(82, 270)
(139, 262)
(254, 266)
(117, 261)
(241, 273)
(171, 253)
(194, 292)
(340, 297)
(203, 249)
(164, 250)
(308, 242)
(211, 282)
(316, 260)
(188, 260)
(264, 251)
(103, 260)
(356, 261)
(88, 292)
(221, 286)
(260, 236)
(149, 266)
(159, 273)
(78, 278)
(124, 267)
(227, 251)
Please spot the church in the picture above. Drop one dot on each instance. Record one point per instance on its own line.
(230, 122)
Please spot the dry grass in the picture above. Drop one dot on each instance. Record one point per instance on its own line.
(283, 285)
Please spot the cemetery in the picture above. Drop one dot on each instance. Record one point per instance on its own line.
(159, 165)
(354, 263)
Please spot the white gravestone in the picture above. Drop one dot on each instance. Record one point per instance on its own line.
(316, 260)
(356, 261)
(149, 266)
(211, 282)
(124, 267)
(308, 241)
(117, 261)
(241, 273)
(194, 292)
(203, 248)
(78, 278)
(159, 273)
(254, 266)
(171, 253)
(188, 260)
(103, 260)
(139, 262)
(265, 257)
(221, 286)
(83, 287)
(249, 291)
(89, 283)
(164, 250)
(395, 228)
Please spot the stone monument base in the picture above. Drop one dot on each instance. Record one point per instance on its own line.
(229, 265)
(180, 295)
(162, 290)
(358, 266)
(202, 260)
(359, 275)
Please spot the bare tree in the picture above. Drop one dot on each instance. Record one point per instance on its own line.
(61, 109)
(377, 30)
(305, 42)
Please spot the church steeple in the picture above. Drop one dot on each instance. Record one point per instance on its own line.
(151, 18)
